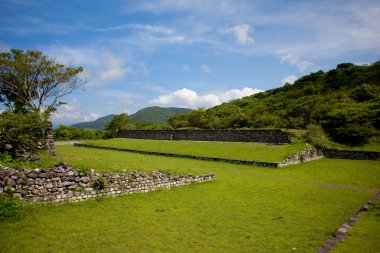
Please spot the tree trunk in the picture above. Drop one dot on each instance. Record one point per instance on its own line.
(50, 138)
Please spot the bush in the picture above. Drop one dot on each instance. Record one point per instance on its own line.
(316, 136)
(10, 209)
(20, 133)
(99, 183)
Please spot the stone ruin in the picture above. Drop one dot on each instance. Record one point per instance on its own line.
(64, 183)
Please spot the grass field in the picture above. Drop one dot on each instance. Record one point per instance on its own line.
(247, 208)
(367, 228)
(233, 150)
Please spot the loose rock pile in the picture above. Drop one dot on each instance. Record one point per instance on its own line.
(63, 183)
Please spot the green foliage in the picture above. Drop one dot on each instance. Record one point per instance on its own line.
(20, 132)
(156, 115)
(10, 209)
(316, 136)
(118, 122)
(345, 101)
(65, 133)
(32, 81)
(99, 183)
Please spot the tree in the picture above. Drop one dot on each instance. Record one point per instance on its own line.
(118, 122)
(34, 82)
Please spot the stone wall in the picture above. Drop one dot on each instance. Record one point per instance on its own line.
(276, 136)
(348, 154)
(66, 184)
(307, 154)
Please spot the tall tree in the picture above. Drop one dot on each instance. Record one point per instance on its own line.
(118, 122)
(34, 82)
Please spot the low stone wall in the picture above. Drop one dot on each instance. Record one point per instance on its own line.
(348, 154)
(307, 154)
(66, 184)
(276, 136)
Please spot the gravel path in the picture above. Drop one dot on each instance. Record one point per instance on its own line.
(59, 143)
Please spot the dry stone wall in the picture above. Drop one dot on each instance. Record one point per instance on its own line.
(63, 183)
(350, 154)
(276, 136)
(309, 153)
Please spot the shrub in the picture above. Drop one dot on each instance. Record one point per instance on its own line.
(99, 183)
(20, 133)
(10, 209)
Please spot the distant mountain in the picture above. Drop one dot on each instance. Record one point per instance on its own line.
(97, 124)
(155, 115)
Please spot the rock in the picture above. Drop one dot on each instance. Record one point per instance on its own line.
(72, 187)
(44, 175)
(36, 191)
(34, 158)
(70, 173)
(8, 146)
(68, 183)
(32, 175)
(17, 195)
(11, 182)
(49, 186)
(20, 174)
(85, 179)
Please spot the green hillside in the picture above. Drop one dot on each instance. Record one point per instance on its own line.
(344, 101)
(154, 115)
(157, 115)
(96, 124)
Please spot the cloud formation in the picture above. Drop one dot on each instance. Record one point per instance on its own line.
(191, 99)
(295, 60)
(100, 66)
(70, 113)
(289, 79)
(241, 33)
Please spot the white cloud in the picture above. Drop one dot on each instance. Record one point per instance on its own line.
(99, 65)
(191, 99)
(295, 60)
(289, 79)
(69, 114)
(143, 27)
(113, 68)
(241, 33)
(205, 69)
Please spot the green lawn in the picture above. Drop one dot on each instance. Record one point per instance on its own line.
(367, 228)
(247, 208)
(233, 150)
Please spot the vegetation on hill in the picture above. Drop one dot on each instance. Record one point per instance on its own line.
(97, 124)
(145, 117)
(156, 114)
(344, 101)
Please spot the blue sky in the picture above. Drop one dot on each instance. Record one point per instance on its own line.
(184, 53)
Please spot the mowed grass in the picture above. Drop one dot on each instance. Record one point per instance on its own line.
(367, 228)
(247, 208)
(232, 150)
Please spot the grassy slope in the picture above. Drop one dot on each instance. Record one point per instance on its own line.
(247, 209)
(232, 150)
